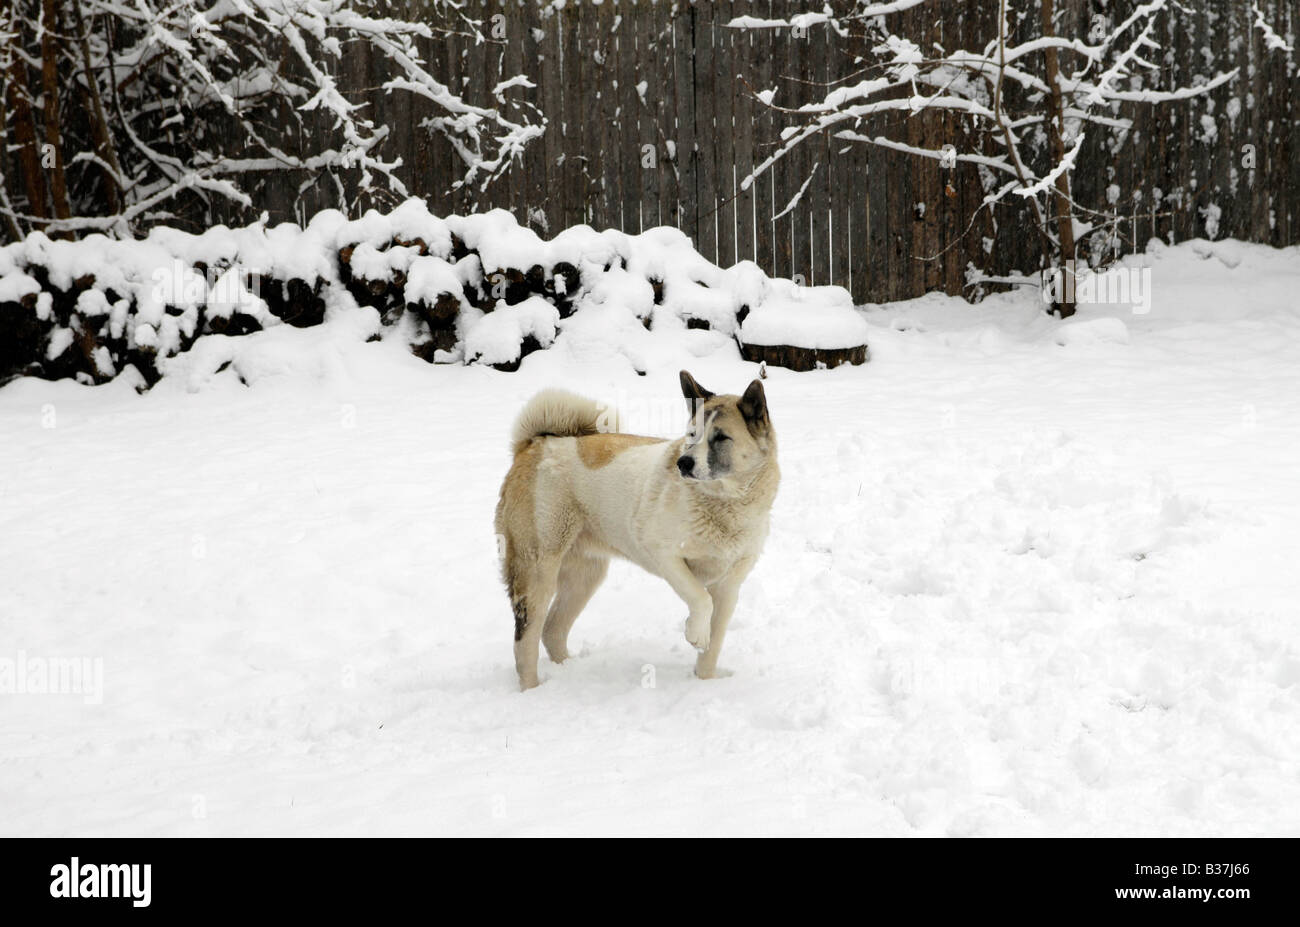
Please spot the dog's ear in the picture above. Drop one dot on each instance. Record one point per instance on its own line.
(753, 407)
(694, 393)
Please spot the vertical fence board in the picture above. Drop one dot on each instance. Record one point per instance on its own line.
(418, 144)
(603, 157)
(1283, 201)
(684, 141)
(661, 102)
(867, 227)
(818, 196)
(844, 196)
(739, 46)
(510, 61)
(632, 176)
(550, 65)
(643, 72)
(473, 75)
(805, 157)
(538, 44)
(487, 68)
(784, 170)
(706, 134)
(458, 60)
(762, 135)
(1293, 135)
(724, 157)
(781, 170)
(573, 169)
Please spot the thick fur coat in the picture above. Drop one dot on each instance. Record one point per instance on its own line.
(693, 511)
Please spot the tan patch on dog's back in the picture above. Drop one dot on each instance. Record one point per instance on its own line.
(518, 485)
(595, 451)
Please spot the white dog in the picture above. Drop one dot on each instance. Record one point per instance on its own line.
(694, 511)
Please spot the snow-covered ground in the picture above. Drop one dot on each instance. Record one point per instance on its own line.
(1024, 577)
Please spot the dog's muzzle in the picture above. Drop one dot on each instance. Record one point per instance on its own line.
(686, 467)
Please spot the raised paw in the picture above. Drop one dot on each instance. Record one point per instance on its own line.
(697, 633)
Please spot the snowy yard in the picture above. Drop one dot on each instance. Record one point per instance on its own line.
(1024, 577)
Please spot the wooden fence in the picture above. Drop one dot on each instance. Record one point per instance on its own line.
(651, 121)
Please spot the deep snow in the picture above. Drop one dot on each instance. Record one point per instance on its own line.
(1024, 577)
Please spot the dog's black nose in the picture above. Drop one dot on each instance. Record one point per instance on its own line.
(685, 465)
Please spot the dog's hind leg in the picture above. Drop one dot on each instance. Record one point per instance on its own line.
(580, 575)
(531, 601)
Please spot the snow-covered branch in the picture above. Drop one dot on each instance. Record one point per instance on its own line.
(1049, 179)
(1272, 40)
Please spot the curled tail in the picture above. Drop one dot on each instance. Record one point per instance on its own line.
(561, 414)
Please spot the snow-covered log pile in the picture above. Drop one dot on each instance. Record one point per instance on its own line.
(476, 289)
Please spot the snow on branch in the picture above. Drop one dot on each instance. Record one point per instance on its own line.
(946, 156)
(794, 200)
(1272, 40)
(800, 21)
(1155, 96)
(825, 17)
(1050, 178)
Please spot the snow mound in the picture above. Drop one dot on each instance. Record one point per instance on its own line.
(812, 317)
(1091, 331)
(499, 336)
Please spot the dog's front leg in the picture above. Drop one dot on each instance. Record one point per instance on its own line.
(724, 593)
(697, 599)
(724, 596)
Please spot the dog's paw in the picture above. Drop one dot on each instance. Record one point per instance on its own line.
(711, 672)
(697, 634)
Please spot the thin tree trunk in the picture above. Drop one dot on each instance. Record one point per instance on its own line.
(24, 122)
(98, 122)
(14, 231)
(1009, 140)
(50, 92)
(1056, 134)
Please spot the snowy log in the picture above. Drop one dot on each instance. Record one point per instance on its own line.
(94, 308)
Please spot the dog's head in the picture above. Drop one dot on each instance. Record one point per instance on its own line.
(728, 436)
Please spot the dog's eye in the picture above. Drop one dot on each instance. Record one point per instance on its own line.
(720, 437)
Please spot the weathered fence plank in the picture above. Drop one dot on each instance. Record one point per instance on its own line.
(706, 133)
(761, 135)
(724, 153)
(685, 157)
(737, 43)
